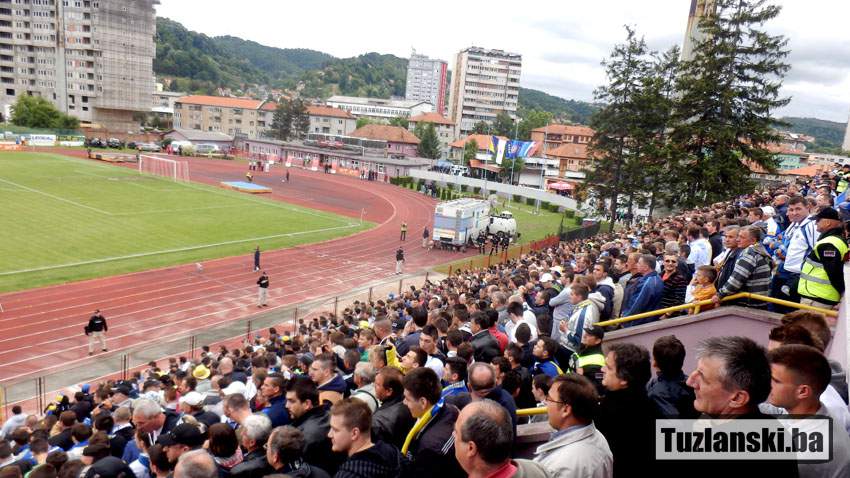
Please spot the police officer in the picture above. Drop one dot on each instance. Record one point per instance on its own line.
(822, 278)
(590, 359)
(843, 177)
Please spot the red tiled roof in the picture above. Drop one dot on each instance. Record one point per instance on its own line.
(476, 164)
(321, 110)
(483, 141)
(434, 117)
(810, 171)
(570, 150)
(573, 129)
(269, 106)
(385, 132)
(221, 101)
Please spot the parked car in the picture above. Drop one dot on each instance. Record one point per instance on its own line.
(94, 143)
(132, 145)
(153, 147)
(114, 143)
(206, 149)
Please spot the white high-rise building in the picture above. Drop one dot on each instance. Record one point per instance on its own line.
(484, 83)
(693, 35)
(426, 81)
(92, 58)
(846, 145)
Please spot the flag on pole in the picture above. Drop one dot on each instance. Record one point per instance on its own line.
(497, 148)
(518, 149)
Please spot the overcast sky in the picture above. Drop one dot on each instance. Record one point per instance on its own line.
(562, 43)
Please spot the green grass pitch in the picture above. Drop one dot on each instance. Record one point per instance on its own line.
(64, 219)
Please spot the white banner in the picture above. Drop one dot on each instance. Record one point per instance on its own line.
(41, 140)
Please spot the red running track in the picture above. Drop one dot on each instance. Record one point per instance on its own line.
(42, 328)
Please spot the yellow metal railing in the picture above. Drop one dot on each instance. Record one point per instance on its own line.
(526, 412)
(696, 306)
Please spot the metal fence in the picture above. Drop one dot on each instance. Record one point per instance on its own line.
(583, 232)
(36, 391)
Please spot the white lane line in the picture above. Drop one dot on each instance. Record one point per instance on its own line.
(181, 249)
(58, 198)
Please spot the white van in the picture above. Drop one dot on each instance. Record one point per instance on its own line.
(459, 170)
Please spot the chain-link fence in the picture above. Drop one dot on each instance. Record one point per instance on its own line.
(38, 390)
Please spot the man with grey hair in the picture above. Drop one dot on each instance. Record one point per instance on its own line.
(196, 464)
(751, 272)
(731, 379)
(255, 431)
(364, 379)
(285, 453)
(500, 305)
(484, 443)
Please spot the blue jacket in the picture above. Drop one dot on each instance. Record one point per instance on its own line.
(647, 297)
(277, 412)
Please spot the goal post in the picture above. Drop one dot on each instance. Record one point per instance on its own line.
(164, 167)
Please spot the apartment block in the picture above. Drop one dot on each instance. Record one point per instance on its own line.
(484, 83)
(328, 120)
(426, 81)
(92, 58)
(443, 126)
(231, 116)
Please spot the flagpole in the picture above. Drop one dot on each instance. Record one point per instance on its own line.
(543, 164)
(513, 159)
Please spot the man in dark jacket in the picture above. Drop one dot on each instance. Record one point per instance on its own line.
(285, 454)
(351, 423)
(63, 440)
(625, 414)
(432, 448)
(302, 401)
(392, 420)
(96, 330)
(648, 293)
(254, 431)
(669, 393)
(483, 386)
(193, 404)
(82, 406)
(715, 238)
(273, 391)
(483, 343)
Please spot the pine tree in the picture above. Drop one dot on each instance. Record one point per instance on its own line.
(503, 125)
(616, 169)
(727, 92)
(282, 122)
(429, 143)
(470, 149)
(300, 118)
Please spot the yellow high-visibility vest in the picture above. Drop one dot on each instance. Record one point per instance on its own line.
(814, 282)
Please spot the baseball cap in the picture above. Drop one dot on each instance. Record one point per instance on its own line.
(234, 388)
(827, 213)
(596, 331)
(122, 388)
(201, 372)
(183, 434)
(547, 277)
(193, 399)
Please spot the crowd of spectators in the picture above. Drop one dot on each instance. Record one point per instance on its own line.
(428, 382)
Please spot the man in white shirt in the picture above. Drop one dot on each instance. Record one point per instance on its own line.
(797, 241)
(519, 316)
(700, 248)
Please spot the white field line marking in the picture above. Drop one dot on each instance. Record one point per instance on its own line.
(58, 198)
(169, 251)
(166, 211)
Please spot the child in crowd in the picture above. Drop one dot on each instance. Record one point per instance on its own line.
(703, 287)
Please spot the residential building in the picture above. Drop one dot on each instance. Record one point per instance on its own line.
(846, 145)
(231, 116)
(163, 105)
(833, 160)
(444, 127)
(693, 35)
(328, 120)
(558, 134)
(571, 156)
(93, 59)
(484, 83)
(378, 108)
(426, 81)
(400, 142)
(482, 142)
